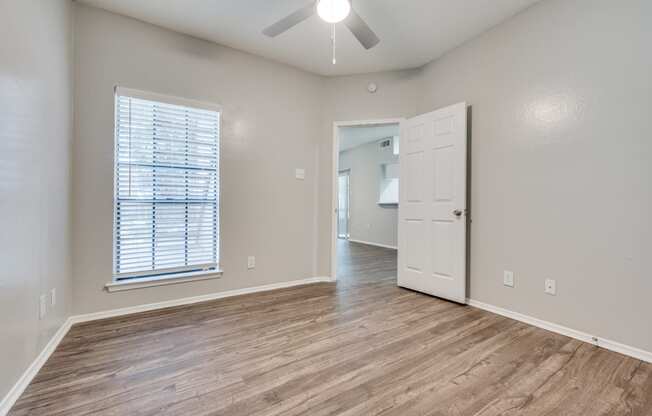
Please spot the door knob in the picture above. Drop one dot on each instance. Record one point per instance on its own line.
(458, 212)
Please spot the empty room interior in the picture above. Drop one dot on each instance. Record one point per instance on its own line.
(326, 207)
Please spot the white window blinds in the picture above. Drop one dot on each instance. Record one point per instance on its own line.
(166, 200)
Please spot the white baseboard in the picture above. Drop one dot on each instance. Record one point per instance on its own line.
(29, 374)
(195, 299)
(369, 243)
(569, 332)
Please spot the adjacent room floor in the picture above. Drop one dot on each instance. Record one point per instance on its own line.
(359, 347)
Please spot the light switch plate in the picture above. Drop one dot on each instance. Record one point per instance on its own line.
(508, 278)
(251, 262)
(300, 174)
(551, 287)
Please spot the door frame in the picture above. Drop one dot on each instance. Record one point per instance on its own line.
(335, 172)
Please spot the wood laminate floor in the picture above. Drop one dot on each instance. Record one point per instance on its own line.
(359, 347)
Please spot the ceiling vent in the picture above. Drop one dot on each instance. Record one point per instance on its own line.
(386, 143)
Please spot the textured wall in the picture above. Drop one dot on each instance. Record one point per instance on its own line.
(561, 162)
(35, 138)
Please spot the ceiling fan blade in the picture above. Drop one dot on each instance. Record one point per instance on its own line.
(361, 30)
(290, 21)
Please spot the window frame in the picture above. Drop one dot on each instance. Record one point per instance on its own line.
(119, 283)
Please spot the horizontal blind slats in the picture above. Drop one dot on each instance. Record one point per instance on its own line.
(137, 105)
(166, 188)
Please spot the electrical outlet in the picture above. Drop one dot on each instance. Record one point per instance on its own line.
(53, 297)
(300, 174)
(42, 307)
(508, 278)
(551, 287)
(251, 262)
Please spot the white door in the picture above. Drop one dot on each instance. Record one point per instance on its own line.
(432, 204)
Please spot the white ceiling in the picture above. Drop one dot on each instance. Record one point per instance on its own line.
(412, 32)
(355, 136)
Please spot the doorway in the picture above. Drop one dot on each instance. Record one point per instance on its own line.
(365, 189)
(432, 222)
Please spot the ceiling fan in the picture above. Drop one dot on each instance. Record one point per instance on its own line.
(331, 11)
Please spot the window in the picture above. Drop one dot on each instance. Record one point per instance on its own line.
(166, 192)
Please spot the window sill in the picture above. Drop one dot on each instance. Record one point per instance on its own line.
(162, 280)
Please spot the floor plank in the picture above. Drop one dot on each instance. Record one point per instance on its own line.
(362, 346)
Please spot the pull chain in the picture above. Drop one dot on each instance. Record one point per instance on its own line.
(333, 43)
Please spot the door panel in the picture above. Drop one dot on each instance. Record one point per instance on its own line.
(444, 167)
(415, 245)
(442, 233)
(432, 208)
(414, 166)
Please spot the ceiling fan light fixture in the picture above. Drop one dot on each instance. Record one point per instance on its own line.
(333, 11)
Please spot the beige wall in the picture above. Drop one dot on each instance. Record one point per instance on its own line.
(562, 162)
(35, 138)
(369, 222)
(271, 121)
